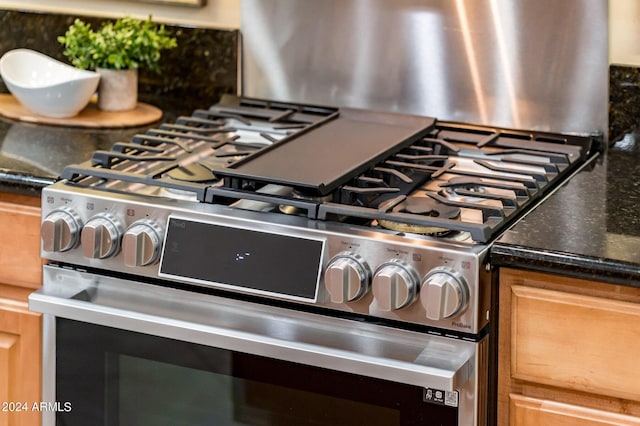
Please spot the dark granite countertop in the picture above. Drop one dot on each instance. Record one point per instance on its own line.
(589, 228)
(34, 155)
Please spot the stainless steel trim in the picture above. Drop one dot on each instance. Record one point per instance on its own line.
(48, 367)
(366, 242)
(317, 340)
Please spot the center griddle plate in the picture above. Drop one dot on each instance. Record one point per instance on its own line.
(320, 160)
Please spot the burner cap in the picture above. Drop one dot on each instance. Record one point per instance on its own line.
(468, 185)
(461, 189)
(192, 173)
(299, 195)
(427, 206)
(421, 206)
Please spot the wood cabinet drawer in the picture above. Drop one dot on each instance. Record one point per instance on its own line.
(573, 341)
(527, 411)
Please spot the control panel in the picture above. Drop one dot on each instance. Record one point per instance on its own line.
(362, 271)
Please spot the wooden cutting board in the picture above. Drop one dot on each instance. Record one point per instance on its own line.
(91, 116)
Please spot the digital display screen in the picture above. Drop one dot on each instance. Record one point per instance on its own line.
(253, 260)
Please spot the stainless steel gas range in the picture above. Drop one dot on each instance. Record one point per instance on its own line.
(262, 262)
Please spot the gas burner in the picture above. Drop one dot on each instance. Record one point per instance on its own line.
(461, 189)
(421, 206)
(195, 172)
(177, 194)
(298, 195)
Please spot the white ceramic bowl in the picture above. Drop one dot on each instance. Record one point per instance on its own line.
(47, 86)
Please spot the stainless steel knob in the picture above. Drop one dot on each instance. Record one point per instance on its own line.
(100, 236)
(141, 243)
(444, 293)
(395, 285)
(347, 277)
(60, 230)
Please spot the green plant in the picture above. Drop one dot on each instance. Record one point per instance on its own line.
(127, 43)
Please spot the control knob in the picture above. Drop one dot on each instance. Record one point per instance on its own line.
(60, 230)
(395, 285)
(100, 236)
(141, 243)
(444, 293)
(347, 277)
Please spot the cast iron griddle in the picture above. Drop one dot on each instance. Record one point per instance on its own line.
(320, 160)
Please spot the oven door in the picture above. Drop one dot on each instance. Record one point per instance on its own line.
(119, 352)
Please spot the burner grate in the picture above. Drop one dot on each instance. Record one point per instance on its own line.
(352, 166)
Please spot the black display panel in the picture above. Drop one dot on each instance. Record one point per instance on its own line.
(259, 261)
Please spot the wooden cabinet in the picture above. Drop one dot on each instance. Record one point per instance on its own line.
(567, 351)
(20, 329)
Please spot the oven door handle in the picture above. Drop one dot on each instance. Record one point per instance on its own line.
(348, 346)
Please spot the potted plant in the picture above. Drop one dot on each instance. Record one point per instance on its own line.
(117, 50)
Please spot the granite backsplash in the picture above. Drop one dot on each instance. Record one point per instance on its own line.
(624, 101)
(194, 75)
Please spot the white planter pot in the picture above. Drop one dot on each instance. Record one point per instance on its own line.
(118, 89)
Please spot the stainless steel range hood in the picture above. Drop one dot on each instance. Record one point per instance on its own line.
(528, 64)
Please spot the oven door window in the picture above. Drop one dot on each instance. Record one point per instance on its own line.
(115, 377)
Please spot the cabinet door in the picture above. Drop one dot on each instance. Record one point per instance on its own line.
(535, 412)
(20, 262)
(20, 364)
